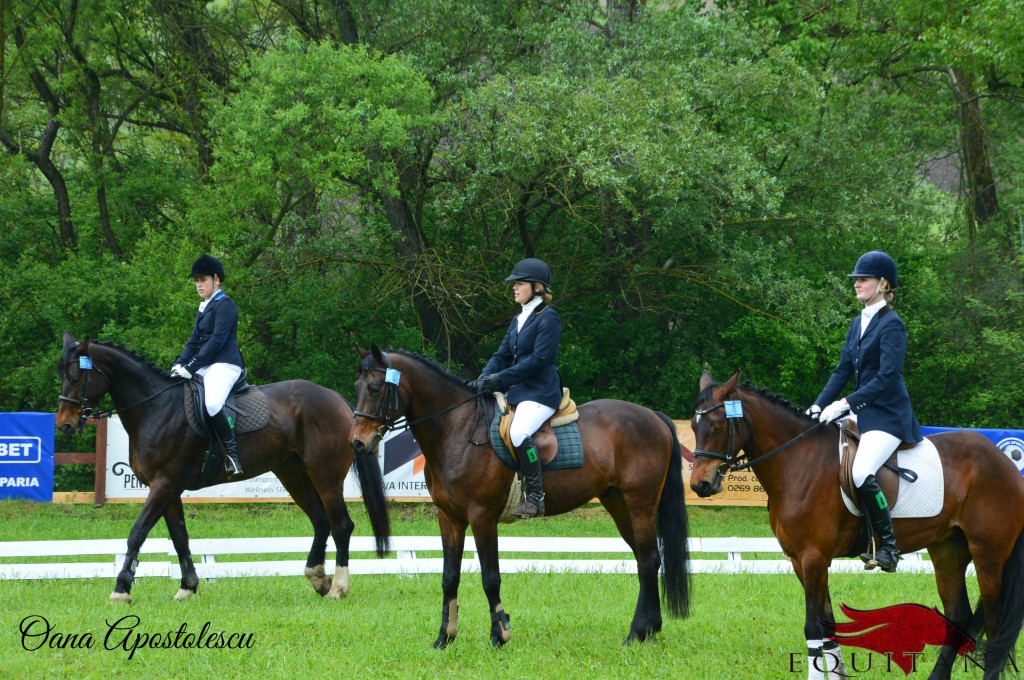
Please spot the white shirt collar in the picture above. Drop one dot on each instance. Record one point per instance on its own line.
(215, 296)
(870, 311)
(528, 309)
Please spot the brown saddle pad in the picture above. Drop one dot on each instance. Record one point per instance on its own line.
(544, 439)
(888, 481)
(252, 405)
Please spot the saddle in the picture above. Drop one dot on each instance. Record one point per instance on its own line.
(251, 409)
(544, 439)
(849, 438)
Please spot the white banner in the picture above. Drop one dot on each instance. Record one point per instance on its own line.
(400, 459)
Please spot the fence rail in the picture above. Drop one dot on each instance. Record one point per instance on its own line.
(413, 555)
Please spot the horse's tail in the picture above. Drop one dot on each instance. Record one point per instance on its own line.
(1011, 610)
(674, 533)
(371, 482)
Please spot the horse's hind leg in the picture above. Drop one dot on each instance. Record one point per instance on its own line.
(154, 508)
(175, 518)
(638, 529)
(298, 484)
(950, 559)
(342, 526)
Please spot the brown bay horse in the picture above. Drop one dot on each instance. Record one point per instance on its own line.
(797, 463)
(305, 444)
(632, 463)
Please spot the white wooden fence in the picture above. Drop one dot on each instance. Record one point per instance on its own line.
(412, 555)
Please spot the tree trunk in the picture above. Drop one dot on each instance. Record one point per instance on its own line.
(977, 168)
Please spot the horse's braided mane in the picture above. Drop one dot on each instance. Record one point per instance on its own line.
(773, 397)
(433, 365)
(131, 353)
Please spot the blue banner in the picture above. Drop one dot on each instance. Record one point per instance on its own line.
(1011, 442)
(26, 456)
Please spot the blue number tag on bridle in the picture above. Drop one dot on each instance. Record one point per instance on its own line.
(734, 409)
(85, 362)
(392, 376)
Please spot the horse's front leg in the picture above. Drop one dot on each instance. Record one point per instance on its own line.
(175, 518)
(154, 507)
(824, 657)
(485, 533)
(453, 542)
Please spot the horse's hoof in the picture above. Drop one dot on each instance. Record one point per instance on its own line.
(183, 594)
(120, 598)
(318, 579)
(340, 587)
(443, 641)
(338, 593)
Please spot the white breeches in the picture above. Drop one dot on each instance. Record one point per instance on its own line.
(874, 448)
(218, 379)
(528, 418)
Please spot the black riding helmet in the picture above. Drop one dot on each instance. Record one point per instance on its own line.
(531, 269)
(877, 264)
(207, 265)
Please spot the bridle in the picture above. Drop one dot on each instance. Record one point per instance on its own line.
(390, 403)
(86, 366)
(730, 461)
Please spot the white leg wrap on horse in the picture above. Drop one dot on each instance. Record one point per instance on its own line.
(824, 660)
(340, 587)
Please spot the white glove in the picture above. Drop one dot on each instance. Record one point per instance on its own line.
(813, 411)
(834, 411)
(181, 372)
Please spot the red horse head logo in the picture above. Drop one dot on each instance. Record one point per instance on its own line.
(899, 631)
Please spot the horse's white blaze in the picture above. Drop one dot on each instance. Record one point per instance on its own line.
(341, 585)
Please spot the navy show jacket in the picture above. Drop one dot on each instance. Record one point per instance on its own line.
(214, 338)
(525, 361)
(875, 362)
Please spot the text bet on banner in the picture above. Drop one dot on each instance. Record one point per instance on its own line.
(26, 456)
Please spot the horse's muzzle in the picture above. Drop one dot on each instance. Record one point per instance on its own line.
(704, 488)
(362, 449)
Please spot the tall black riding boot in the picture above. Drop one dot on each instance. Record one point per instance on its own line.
(873, 500)
(222, 422)
(533, 506)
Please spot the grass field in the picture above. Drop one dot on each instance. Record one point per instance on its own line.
(563, 625)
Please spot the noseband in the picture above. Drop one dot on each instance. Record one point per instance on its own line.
(85, 365)
(389, 402)
(733, 412)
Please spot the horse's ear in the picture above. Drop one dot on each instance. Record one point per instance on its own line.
(69, 340)
(361, 352)
(85, 346)
(377, 355)
(731, 383)
(705, 379)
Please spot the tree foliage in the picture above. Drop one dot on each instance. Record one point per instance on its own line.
(699, 180)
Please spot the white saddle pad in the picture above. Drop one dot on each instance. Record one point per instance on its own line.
(922, 498)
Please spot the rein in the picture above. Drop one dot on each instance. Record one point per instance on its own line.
(730, 461)
(87, 412)
(391, 401)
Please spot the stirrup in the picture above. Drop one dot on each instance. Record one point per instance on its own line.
(871, 560)
(233, 468)
(529, 508)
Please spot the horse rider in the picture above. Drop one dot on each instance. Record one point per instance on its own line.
(524, 365)
(212, 352)
(873, 354)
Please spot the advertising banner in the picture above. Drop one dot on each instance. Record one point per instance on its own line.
(1011, 442)
(26, 456)
(400, 459)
